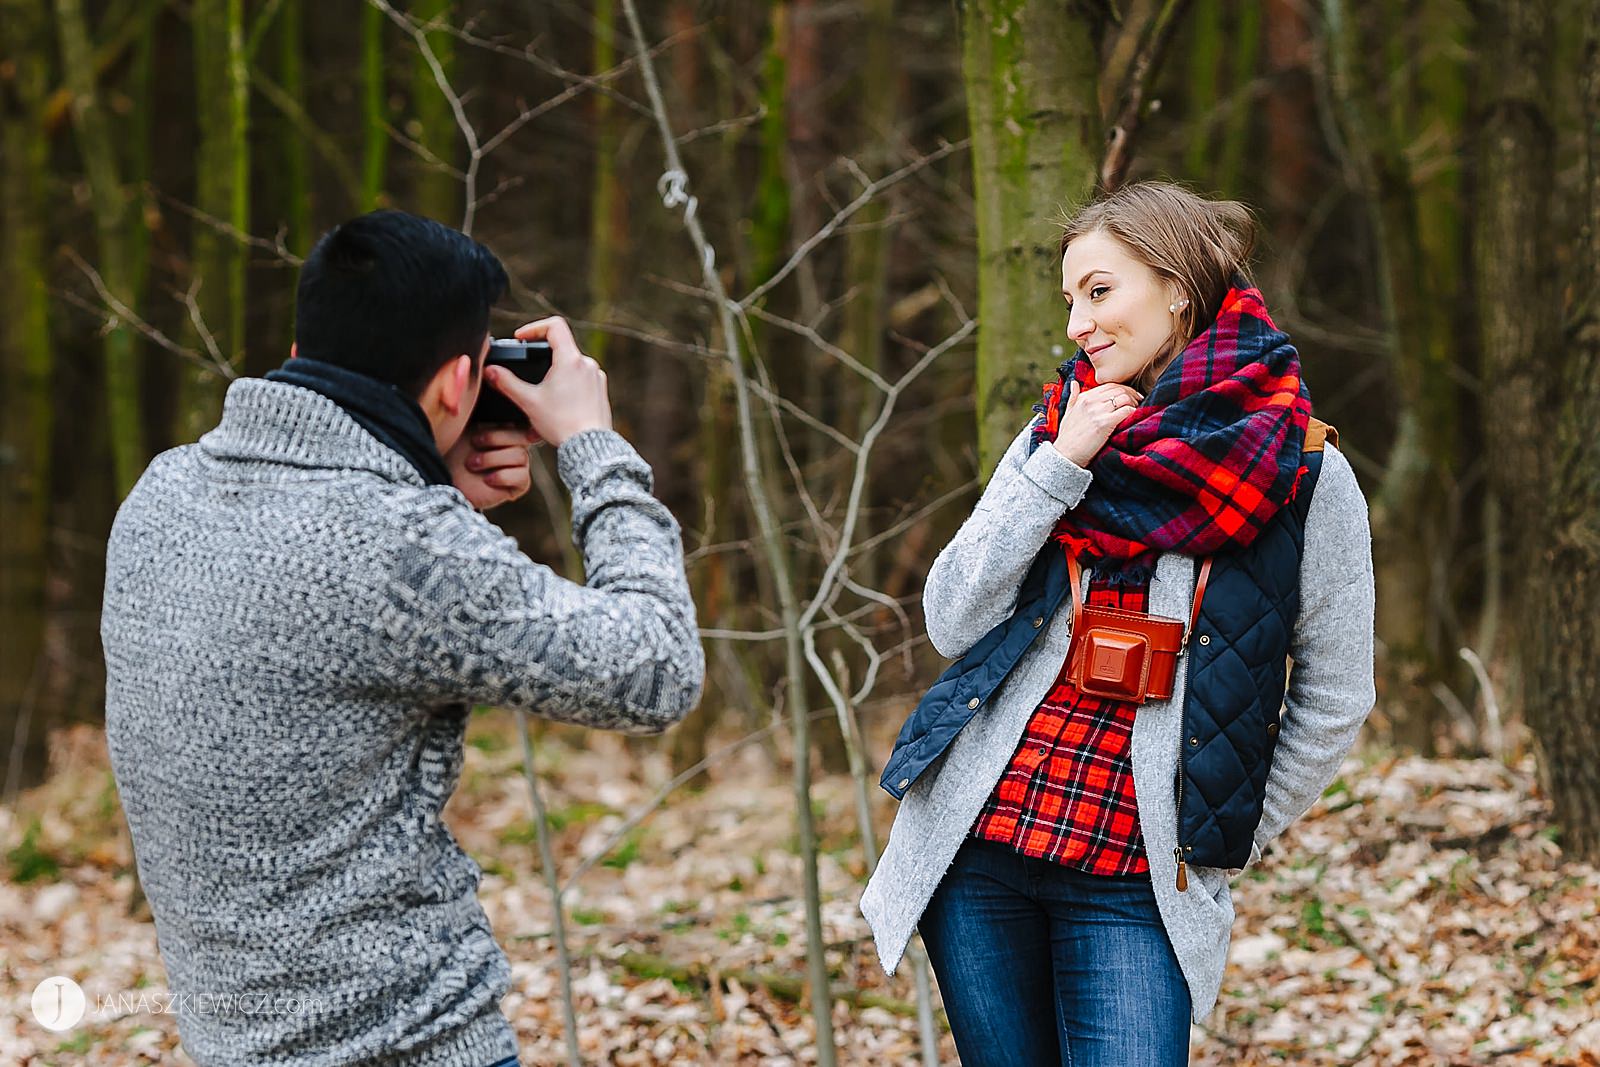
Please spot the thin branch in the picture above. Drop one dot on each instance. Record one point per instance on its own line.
(276, 246)
(864, 198)
(419, 36)
(121, 313)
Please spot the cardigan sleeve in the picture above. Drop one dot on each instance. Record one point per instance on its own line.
(974, 581)
(471, 618)
(1331, 687)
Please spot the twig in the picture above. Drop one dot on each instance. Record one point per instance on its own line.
(674, 189)
(862, 200)
(1491, 706)
(547, 860)
(649, 807)
(122, 313)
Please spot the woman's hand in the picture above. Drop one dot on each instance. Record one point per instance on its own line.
(1092, 417)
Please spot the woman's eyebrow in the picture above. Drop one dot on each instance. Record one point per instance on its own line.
(1085, 278)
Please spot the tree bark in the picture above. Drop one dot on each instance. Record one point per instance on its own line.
(607, 227)
(1550, 468)
(438, 192)
(374, 108)
(1033, 104)
(296, 166)
(1418, 289)
(222, 192)
(98, 150)
(26, 360)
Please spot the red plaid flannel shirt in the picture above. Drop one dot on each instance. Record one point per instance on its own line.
(1067, 794)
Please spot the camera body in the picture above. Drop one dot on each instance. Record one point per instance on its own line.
(528, 360)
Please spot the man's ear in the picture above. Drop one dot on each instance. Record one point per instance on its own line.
(454, 382)
(294, 349)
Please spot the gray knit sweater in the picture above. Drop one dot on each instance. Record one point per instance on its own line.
(973, 585)
(294, 627)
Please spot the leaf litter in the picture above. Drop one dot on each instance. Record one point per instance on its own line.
(1422, 913)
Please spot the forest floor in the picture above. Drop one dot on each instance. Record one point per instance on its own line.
(1421, 913)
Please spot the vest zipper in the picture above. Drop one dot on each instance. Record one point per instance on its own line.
(1177, 850)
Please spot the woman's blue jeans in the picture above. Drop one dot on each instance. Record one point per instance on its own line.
(1039, 963)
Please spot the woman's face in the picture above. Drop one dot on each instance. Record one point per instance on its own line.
(1120, 313)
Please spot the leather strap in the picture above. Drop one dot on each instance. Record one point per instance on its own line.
(1075, 575)
(1199, 592)
(1318, 433)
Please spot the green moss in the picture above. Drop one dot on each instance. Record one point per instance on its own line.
(30, 862)
(626, 852)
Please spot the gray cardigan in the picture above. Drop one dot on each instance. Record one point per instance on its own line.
(973, 585)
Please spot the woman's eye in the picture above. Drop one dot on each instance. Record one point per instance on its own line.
(1094, 294)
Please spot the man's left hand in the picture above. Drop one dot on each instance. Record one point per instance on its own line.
(490, 464)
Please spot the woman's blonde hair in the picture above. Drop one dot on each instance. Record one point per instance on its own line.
(1195, 243)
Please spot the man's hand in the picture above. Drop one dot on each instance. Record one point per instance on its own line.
(572, 398)
(489, 464)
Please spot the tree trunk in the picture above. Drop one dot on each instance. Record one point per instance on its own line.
(1243, 44)
(866, 316)
(115, 264)
(1033, 103)
(606, 222)
(1546, 467)
(438, 193)
(1202, 99)
(26, 359)
(1418, 289)
(296, 166)
(222, 192)
(374, 108)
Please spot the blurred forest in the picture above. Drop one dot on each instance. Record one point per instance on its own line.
(813, 243)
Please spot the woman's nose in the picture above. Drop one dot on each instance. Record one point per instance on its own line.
(1079, 325)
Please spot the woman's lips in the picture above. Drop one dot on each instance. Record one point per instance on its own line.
(1092, 352)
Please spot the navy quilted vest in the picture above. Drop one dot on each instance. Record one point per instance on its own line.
(1236, 667)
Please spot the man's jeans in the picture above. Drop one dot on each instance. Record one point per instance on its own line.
(1039, 963)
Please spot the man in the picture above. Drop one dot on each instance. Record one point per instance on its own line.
(299, 611)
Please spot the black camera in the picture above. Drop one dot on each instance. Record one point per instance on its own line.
(528, 360)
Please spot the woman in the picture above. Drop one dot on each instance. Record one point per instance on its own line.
(1073, 806)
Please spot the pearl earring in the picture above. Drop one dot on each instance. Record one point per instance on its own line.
(1177, 305)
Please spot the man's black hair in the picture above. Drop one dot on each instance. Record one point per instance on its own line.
(396, 296)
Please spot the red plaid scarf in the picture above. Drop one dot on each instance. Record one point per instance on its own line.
(1206, 461)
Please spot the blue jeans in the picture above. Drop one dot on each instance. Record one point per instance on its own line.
(1039, 963)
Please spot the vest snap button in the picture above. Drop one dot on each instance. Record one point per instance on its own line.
(974, 702)
(1193, 741)
(1188, 848)
(1038, 622)
(1272, 727)
(1205, 639)
(904, 782)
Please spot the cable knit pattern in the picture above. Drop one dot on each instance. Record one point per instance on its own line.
(294, 629)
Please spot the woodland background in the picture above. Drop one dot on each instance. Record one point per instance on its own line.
(813, 243)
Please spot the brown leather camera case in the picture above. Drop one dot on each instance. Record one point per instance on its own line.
(1126, 655)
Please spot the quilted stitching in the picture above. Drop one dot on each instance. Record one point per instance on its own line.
(1250, 613)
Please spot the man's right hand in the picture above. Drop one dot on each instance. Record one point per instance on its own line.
(572, 398)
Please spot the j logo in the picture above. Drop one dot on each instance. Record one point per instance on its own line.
(58, 1003)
